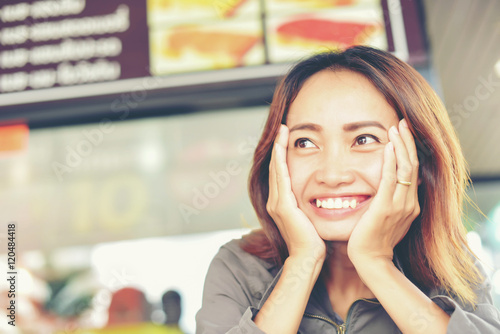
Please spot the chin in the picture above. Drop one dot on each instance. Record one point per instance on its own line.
(335, 231)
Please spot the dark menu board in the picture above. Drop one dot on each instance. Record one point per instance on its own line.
(45, 44)
(57, 56)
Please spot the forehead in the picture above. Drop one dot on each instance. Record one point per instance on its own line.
(338, 97)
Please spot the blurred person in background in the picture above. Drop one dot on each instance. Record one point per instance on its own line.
(358, 182)
(129, 313)
(128, 306)
(171, 304)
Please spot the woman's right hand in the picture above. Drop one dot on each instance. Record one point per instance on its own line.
(299, 233)
(306, 249)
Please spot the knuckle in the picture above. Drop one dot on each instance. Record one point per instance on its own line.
(277, 178)
(409, 209)
(392, 178)
(399, 210)
(268, 207)
(417, 210)
(406, 170)
(385, 212)
(413, 212)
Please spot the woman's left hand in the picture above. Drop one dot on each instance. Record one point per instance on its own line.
(394, 207)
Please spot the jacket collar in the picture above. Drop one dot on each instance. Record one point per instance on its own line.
(319, 295)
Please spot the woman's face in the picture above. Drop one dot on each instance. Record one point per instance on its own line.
(338, 130)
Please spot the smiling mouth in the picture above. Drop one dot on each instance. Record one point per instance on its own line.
(336, 203)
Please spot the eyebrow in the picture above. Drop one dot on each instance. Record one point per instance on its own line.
(349, 127)
(307, 126)
(354, 126)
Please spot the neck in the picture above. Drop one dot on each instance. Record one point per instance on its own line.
(341, 278)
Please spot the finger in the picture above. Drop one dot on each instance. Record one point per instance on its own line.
(409, 141)
(282, 174)
(282, 138)
(387, 184)
(273, 186)
(407, 136)
(401, 201)
(404, 169)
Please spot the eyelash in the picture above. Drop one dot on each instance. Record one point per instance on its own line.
(300, 139)
(356, 140)
(367, 135)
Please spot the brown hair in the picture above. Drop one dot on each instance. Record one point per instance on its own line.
(434, 252)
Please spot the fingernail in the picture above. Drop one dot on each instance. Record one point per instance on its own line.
(403, 122)
(395, 130)
(389, 146)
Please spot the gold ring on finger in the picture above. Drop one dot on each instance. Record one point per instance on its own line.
(406, 183)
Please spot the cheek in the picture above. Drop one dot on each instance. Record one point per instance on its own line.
(299, 172)
(370, 166)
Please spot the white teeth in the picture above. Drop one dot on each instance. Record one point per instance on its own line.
(336, 203)
(353, 204)
(329, 204)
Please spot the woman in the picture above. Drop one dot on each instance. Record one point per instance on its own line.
(358, 181)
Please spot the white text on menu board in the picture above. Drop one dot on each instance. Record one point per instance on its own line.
(67, 40)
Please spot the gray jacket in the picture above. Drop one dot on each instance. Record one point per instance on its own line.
(238, 284)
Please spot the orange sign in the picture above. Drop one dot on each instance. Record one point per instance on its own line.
(13, 137)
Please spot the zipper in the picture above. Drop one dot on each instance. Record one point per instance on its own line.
(351, 307)
(330, 321)
(341, 329)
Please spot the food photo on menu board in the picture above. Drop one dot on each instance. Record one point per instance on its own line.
(198, 35)
(298, 28)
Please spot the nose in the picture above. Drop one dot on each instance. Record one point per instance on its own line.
(335, 168)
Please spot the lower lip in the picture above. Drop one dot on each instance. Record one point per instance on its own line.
(338, 213)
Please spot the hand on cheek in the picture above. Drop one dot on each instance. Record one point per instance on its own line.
(395, 206)
(296, 229)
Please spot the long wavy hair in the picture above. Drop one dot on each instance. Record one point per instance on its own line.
(434, 252)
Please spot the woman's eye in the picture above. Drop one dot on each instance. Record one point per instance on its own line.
(304, 143)
(366, 139)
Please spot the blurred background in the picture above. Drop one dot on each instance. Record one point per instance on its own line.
(127, 128)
